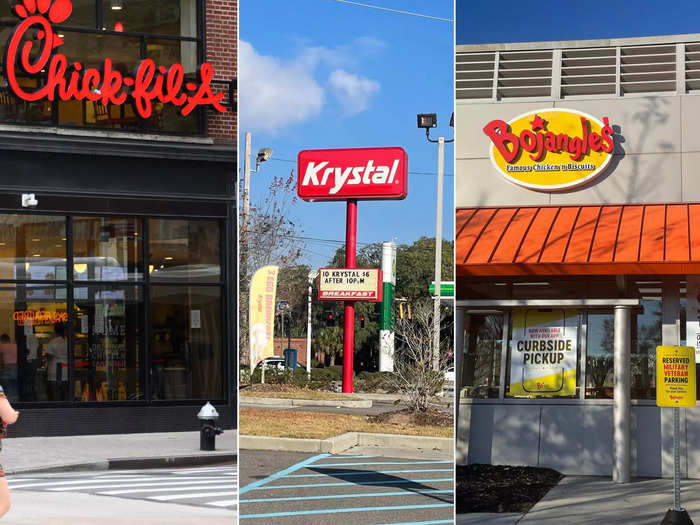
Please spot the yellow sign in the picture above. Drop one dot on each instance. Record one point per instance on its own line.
(551, 149)
(263, 288)
(543, 352)
(675, 376)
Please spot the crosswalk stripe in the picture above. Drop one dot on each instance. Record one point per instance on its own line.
(129, 485)
(352, 464)
(344, 473)
(167, 489)
(224, 503)
(195, 495)
(102, 480)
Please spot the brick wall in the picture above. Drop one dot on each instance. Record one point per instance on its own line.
(222, 52)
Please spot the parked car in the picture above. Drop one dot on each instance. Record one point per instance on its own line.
(450, 374)
(272, 362)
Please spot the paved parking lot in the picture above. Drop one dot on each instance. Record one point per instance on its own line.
(325, 488)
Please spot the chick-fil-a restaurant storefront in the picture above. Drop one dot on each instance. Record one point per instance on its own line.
(577, 251)
(117, 215)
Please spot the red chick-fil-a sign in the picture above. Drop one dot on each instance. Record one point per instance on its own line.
(71, 81)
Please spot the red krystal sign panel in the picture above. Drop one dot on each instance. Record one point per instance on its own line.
(356, 173)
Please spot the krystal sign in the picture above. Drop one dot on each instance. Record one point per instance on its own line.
(551, 149)
(68, 80)
(344, 284)
(357, 173)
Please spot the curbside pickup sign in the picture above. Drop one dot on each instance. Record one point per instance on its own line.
(350, 284)
(352, 173)
(551, 149)
(675, 376)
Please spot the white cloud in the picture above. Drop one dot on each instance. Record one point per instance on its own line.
(352, 91)
(275, 93)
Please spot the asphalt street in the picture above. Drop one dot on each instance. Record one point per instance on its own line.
(292, 488)
(212, 487)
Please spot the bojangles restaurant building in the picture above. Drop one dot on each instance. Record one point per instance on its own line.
(117, 213)
(577, 250)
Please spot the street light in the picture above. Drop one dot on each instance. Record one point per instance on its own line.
(312, 275)
(427, 121)
(263, 155)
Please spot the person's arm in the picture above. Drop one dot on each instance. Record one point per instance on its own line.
(8, 414)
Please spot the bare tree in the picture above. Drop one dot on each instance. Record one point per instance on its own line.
(413, 360)
(272, 239)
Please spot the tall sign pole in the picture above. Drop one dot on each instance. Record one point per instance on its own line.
(386, 328)
(349, 325)
(351, 174)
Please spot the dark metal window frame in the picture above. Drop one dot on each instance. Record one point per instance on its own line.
(227, 334)
(199, 39)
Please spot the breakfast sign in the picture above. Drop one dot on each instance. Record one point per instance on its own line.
(551, 149)
(32, 50)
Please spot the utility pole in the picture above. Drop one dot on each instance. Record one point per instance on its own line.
(243, 254)
(312, 275)
(438, 255)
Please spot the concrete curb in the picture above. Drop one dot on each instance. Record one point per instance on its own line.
(134, 463)
(344, 442)
(283, 402)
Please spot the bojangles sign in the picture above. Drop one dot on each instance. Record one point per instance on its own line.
(66, 80)
(551, 149)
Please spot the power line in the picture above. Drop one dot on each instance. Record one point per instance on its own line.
(395, 11)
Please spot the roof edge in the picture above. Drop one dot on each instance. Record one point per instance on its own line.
(568, 44)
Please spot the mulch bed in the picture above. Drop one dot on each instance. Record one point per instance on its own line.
(433, 417)
(496, 488)
(267, 387)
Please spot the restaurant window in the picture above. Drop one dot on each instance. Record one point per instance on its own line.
(107, 249)
(130, 31)
(187, 357)
(646, 333)
(107, 332)
(481, 364)
(600, 346)
(33, 342)
(184, 250)
(32, 247)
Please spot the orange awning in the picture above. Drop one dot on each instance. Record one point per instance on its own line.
(579, 240)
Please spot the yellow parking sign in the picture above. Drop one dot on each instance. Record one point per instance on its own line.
(675, 376)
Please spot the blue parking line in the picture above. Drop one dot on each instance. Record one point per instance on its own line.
(360, 495)
(302, 464)
(366, 473)
(382, 463)
(342, 484)
(339, 511)
(421, 522)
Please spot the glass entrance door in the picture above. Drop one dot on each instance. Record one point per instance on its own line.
(481, 366)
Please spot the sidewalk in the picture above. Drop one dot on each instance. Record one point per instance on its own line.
(589, 500)
(102, 451)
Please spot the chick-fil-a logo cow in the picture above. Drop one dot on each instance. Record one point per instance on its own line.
(551, 149)
(73, 81)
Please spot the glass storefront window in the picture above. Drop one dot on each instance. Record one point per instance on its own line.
(165, 17)
(481, 363)
(186, 342)
(107, 249)
(184, 250)
(647, 337)
(32, 247)
(600, 340)
(33, 342)
(107, 331)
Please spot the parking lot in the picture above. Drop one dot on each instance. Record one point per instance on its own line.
(286, 488)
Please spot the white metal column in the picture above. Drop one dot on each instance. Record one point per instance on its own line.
(621, 396)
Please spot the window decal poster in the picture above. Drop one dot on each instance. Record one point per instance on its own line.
(544, 352)
(692, 310)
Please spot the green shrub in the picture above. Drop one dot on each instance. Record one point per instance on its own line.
(374, 382)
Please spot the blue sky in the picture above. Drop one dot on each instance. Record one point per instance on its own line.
(480, 21)
(325, 74)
